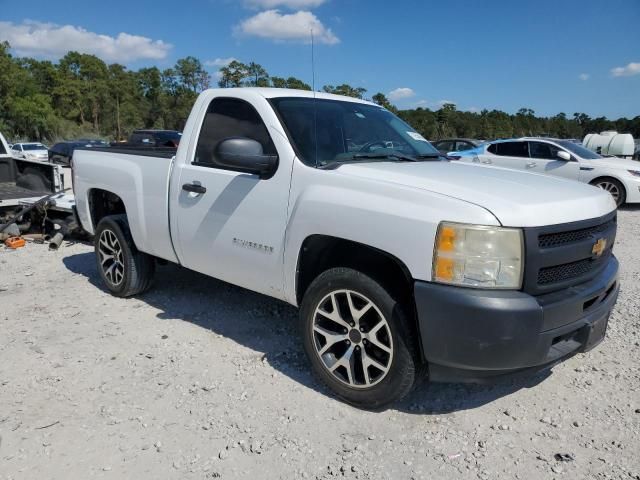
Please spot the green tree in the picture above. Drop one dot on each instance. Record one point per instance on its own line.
(257, 75)
(382, 100)
(233, 74)
(291, 82)
(346, 90)
(192, 74)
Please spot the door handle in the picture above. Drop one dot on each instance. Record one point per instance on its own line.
(531, 164)
(194, 188)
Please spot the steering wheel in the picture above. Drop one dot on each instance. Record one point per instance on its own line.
(367, 146)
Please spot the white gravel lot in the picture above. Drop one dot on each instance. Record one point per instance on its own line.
(199, 379)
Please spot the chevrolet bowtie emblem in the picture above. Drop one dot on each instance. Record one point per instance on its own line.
(599, 247)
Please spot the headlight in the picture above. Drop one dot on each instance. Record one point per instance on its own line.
(635, 173)
(478, 256)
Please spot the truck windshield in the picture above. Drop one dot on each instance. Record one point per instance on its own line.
(330, 131)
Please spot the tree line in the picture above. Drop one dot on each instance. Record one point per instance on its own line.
(82, 96)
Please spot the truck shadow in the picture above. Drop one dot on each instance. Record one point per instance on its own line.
(269, 327)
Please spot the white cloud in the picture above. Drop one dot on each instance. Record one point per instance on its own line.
(220, 62)
(293, 4)
(297, 26)
(51, 41)
(584, 77)
(401, 93)
(421, 103)
(631, 69)
(440, 103)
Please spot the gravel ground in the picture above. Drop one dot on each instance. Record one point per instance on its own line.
(200, 379)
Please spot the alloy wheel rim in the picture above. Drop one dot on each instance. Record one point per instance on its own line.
(111, 257)
(352, 338)
(612, 188)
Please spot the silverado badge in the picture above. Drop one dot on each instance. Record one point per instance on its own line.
(599, 247)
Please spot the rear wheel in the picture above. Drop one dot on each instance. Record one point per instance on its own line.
(124, 269)
(614, 187)
(357, 338)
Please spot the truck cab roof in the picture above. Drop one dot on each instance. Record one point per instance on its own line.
(267, 92)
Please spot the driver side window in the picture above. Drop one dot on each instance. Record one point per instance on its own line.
(228, 118)
(543, 151)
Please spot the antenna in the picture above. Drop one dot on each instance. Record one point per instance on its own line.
(313, 65)
(315, 110)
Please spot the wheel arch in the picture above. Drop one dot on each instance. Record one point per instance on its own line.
(103, 203)
(319, 253)
(611, 177)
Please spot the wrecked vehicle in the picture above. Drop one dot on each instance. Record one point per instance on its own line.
(33, 199)
(400, 262)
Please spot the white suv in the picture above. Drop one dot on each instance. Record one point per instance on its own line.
(562, 158)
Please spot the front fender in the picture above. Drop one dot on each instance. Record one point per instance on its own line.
(401, 221)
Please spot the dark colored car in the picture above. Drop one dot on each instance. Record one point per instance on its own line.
(447, 145)
(153, 138)
(62, 152)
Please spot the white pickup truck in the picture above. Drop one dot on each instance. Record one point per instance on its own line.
(400, 262)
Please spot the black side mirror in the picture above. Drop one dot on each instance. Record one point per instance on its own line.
(245, 155)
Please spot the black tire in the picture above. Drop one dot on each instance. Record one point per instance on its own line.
(402, 370)
(603, 183)
(137, 268)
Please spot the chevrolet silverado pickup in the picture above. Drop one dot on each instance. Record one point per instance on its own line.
(401, 263)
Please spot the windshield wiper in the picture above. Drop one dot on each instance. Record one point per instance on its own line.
(396, 155)
(380, 157)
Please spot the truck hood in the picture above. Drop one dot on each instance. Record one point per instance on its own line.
(517, 199)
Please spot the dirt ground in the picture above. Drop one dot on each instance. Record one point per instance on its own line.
(199, 379)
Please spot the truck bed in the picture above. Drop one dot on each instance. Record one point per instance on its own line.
(161, 152)
(10, 191)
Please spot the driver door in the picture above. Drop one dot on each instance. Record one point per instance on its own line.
(230, 225)
(543, 158)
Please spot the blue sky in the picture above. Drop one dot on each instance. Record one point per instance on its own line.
(552, 56)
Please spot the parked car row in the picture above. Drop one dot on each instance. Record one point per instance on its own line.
(29, 151)
(455, 144)
(61, 153)
(563, 158)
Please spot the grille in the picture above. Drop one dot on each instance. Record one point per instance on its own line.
(563, 238)
(567, 271)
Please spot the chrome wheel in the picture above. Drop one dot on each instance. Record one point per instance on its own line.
(352, 338)
(111, 257)
(610, 187)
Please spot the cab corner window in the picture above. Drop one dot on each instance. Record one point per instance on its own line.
(230, 118)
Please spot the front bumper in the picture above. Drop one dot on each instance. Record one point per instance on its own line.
(473, 335)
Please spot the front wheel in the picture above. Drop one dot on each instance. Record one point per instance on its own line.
(357, 338)
(614, 187)
(125, 270)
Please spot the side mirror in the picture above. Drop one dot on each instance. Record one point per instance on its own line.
(245, 155)
(562, 155)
